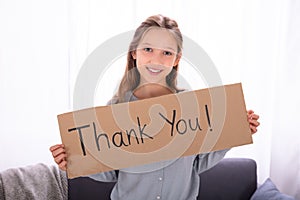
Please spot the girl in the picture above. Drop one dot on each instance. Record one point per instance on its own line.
(152, 65)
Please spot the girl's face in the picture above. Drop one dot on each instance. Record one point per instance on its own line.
(156, 55)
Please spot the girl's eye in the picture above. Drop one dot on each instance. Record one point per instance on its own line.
(168, 53)
(148, 49)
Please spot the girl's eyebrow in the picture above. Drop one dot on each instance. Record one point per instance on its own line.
(145, 44)
(165, 48)
(171, 49)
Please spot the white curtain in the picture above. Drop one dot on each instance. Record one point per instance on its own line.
(44, 44)
(34, 79)
(285, 153)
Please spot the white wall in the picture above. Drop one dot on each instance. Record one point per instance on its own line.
(34, 80)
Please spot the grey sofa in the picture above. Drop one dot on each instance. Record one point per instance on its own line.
(230, 179)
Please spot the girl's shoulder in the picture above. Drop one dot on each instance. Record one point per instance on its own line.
(112, 101)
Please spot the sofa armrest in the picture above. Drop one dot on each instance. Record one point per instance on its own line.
(231, 178)
(37, 181)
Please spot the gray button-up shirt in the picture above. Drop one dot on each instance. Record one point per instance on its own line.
(174, 179)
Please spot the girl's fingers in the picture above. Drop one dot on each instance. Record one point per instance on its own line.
(254, 116)
(252, 119)
(58, 151)
(63, 165)
(54, 147)
(254, 122)
(59, 159)
(59, 155)
(253, 129)
(249, 112)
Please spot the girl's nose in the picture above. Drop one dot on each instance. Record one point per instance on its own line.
(157, 57)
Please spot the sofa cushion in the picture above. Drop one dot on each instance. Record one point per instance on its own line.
(232, 178)
(268, 190)
(87, 188)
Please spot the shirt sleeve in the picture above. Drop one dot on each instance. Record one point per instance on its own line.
(110, 176)
(206, 161)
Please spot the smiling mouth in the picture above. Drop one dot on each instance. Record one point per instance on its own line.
(153, 70)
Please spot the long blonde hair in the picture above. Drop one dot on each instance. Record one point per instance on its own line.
(131, 78)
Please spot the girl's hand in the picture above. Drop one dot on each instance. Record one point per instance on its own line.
(60, 156)
(252, 119)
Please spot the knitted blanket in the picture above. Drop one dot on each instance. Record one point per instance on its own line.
(35, 182)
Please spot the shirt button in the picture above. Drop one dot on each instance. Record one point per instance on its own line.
(158, 197)
(160, 178)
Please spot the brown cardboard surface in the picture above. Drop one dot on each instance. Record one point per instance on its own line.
(130, 134)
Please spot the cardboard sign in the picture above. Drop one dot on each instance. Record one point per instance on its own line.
(130, 134)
